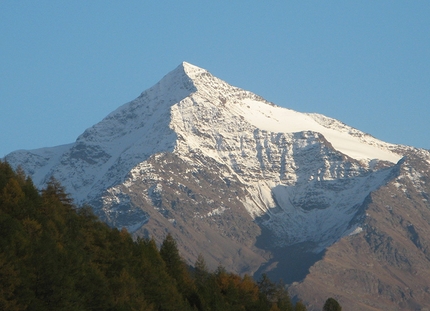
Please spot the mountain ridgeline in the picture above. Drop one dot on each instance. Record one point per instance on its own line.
(256, 188)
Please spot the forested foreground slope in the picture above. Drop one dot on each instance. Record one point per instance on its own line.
(54, 256)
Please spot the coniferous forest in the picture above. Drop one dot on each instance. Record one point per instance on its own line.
(54, 256)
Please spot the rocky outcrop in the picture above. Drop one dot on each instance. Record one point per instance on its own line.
(387, 265)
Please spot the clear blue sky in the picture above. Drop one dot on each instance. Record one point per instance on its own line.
(64, 65)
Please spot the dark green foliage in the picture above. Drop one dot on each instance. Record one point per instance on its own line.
(56, 257)
(300, 306)
(176, 268)
(274, 294)
(332, 305)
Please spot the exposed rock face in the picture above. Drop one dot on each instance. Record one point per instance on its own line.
(256, 188)
(387, 265)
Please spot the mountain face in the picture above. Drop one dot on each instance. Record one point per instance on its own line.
(258, 189)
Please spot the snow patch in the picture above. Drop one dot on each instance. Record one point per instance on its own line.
(357, 230)
(216, 211)
(277, 119)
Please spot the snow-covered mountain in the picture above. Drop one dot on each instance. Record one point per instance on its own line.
(231, 175)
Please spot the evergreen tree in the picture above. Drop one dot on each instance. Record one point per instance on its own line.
(201, 272)
(300, 306)
(55, 190)
(6, 173)
(177, 269)
(10, 282)
(332, 305)
(174, 264)
(267, 290)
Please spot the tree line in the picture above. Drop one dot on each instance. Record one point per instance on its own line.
(54, 256)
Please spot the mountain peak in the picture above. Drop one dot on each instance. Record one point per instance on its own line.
(191, 70)
(245, 182)
(187, 71)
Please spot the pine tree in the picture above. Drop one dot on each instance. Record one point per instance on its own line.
(332, 305)
(12, 197)
(267, 289)
(10, 280)
(201, 272)
(55, 190)
(170, 254)
(300, 306)
(6, 173)
(177, 269)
